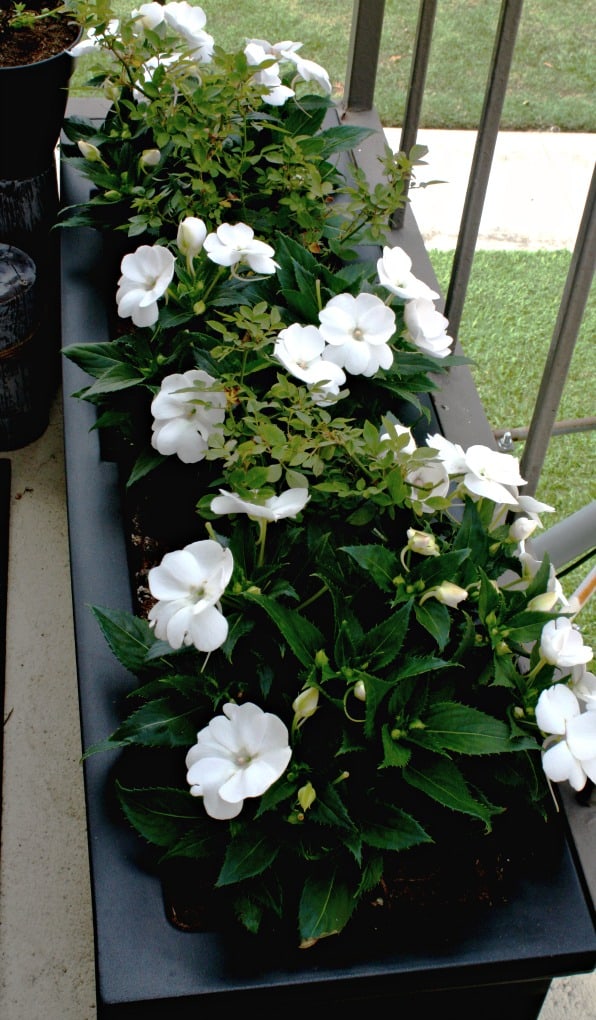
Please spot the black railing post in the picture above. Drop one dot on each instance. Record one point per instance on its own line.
(424, 32)
(569, 319)
(363, 54)
(481, 164)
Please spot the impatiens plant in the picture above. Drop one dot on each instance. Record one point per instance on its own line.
(355, 651)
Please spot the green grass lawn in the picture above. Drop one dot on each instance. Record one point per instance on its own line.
(551, 86)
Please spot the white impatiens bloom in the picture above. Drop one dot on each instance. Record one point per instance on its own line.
(188, 584)
(276, 93)
(288, 504)
(191, 237)
(308, 70)
(428, 481)
(91, 42)
(299, 349)
(188, 22)
(239, 754)
(569, 753)
(235, 243)
(147, 17)
(427, 328)
(583, 685)
(490, 473)
(561, 644)
(357, 330)
(394, 270)
(451, 454)
(146, 275)
(186, 411)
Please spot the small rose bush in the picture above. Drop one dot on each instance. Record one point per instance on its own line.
(356, 644)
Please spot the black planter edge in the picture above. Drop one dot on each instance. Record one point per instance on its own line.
(146, 967)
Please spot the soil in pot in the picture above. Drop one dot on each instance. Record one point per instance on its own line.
(42, 40)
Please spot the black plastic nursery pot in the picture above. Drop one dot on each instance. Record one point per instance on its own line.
(499, 962)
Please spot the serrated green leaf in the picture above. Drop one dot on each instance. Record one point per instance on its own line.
(436, 619)
(450, 726)
(377, 561)
(397, 831)
(302, 636)
(129, 637)
(160, 814)
(441, 780)
(326, 905)
(157, 724)
(246, 856)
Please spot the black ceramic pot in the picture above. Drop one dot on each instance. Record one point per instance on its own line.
(500, 963)
(32, 105)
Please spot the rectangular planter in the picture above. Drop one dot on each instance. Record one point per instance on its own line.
(502, 964)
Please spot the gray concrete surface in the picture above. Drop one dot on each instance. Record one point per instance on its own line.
(536, 196)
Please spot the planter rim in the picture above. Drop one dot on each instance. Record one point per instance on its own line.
(46, 60)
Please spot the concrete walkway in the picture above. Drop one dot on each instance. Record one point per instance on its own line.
(535, 199)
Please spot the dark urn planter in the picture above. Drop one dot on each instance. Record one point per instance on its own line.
(498, 963)
(32, 104)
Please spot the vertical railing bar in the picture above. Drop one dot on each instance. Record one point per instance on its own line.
(481, 163)
(424, 32)
(567, 325)
(363, 54)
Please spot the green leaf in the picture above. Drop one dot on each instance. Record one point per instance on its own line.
(451, 726)
(247, 855)
(381, 645)
(441, 780)
(397, 831)
(157, 724)
(326, 905)
(129, 637)
(436, 619)
(380, 563)
(302, 636)
(144, 464)
(160, 814)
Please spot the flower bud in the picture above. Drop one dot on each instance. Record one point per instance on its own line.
(522, 528)
(423, 543)
(191, 235)
(545, 602)
(448, 593)
(89, 151)
(306, 796)
(360, 690)
(149, 157)
(305, 705)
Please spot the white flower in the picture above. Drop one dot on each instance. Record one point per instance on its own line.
(489, 473)
(92, 40)
(299, 349)
(583, 685)
(276, 93)
(188, 22)
(422, 542)
(561, 644)
(238, 755)
(451, 454)
(357, 330)
(186, 411)
(308, 70)
(90, 152)
(395, 274)
(235, 243)
(191, 236)
(146, 275)
(427, 481)
(288, 504)
(427, 327)
(148, 16)
(188, 584)
(572, 757)
(397, 432)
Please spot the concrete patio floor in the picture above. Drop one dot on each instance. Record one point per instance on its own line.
(46, 930)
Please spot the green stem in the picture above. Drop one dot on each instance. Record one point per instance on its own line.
(313, 598)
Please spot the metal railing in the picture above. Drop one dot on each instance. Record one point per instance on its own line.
(459, 411)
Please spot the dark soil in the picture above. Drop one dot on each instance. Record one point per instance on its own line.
(44, 39)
